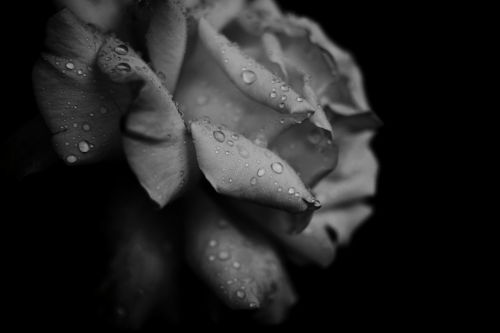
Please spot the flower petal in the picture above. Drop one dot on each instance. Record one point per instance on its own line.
(80, 106)
(277, 311)
(309, 150)
(218, 13)
(240, 266)
(166, 40)
(316, 243)
(156, 142)
(274, 52)
(204, 90)
(236, 167)
(249, 76)
(143, 273)
(356, 173)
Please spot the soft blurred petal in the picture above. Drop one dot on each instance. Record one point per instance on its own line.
(236, 167)
(81, 107)
(166, 40)
(240, 266)
(249, 76)
(143, 274)
(105, 14)
(156, 142)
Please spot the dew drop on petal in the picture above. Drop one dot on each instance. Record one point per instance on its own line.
(281, 105)
(253, 305)
(123, 67)
(230, 143)
(224, 255)
(280, 189)
(121, 49)
(212, 243)
(300, 99)
(219, 136)
(283, 98)
(284, 88)
(248, 76)
(211, 257)
(261, 172)
(83, 146)
(277, 167)
(291, 190)
(243, 152)
(236, 265)
(71, 159)
(80, 72)
(240, 294)
(273, 94)
(70, 65)
(253, 181)
(235, 136)
(86, 127)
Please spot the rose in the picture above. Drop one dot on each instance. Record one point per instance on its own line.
(263, 121)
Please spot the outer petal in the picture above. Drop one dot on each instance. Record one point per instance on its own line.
(143, 273)
(81, 107)
(238, 168)
(166, 40)
(239, 265)
(156, 141)
(218, 13)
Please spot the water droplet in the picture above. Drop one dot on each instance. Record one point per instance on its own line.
(253, 305)
(297, 194)
(103, 110)
(273, 94)
(243, 152)
(123, 67)
(277, 167)
(83, 146)
(300, 99)
(230, 143)
(219, 136)
(80, 72)
(253, 181)
(236, 265)
(282, 121)
(240, 294)
(235, 136)
(284, 88)
(226, 60)
(248, 76)
(86, 127)
(71, 159)
(260, 140)
(121, 49)
(211, 258)
(223, 255)
(227, 152)
(212, 243)
(70, 65)
(281, 105)
(291, 190)
(261, 172)
(202, 100)
(280, 189)
(230, 180)
(283, 98)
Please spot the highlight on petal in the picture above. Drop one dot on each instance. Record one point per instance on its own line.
(328, 229)
(239, 265)
(81, 107)
(166, 40)
(236, 167)
(218, 13)
(142, 277)
(155, 139)
(249, 76)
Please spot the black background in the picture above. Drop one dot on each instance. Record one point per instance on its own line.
(391, 271)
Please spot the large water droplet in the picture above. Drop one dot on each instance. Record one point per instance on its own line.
(121, 49)
(253, 181)
(70, 65)
(123, 67)
(248, 76)
(277, 167)
(261, 172)
(71, 159)
(224, 255)
(219, 136)
(83, 146)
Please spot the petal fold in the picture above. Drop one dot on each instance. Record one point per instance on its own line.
(156, 142)
(236, 167)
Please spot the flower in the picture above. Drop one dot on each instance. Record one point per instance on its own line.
(251, 117)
